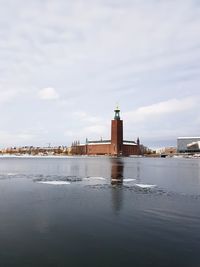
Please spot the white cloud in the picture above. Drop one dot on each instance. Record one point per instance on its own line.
(159, 109)
(98, 53)
(92, 132)
(13, 139)
(25, 136)
(8, 95)
(48, 93)
(69, 133)
(94, 129)
(85, 117)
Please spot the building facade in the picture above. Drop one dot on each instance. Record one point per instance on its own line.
(116, 146)
(188, 144)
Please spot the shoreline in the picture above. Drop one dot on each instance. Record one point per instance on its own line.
(195, 156)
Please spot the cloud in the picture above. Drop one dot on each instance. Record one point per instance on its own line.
(85, 117)
(13, 139)
(143, 54)
(8, 95)
(48, 93)
(171, 106)
(94, 130)
(92, 127)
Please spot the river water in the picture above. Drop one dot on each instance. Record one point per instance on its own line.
(99, 211)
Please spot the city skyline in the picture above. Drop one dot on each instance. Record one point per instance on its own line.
(66, 64)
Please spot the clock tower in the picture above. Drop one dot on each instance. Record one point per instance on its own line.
(117, 134)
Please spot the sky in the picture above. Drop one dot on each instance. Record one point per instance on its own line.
(66, 64)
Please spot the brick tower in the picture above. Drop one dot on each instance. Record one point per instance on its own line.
(117, 134)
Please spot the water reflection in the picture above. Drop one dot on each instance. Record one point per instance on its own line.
(117, 170)
(138, 171)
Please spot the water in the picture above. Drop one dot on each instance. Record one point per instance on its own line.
(99, 212)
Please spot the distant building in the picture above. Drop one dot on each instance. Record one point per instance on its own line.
(188, 144)
(116, 146)
(31, 150)
(166, 150)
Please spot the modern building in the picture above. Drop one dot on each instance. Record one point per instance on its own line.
(116, 146)
(188, 144)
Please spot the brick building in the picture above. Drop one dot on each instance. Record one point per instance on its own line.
(116, 146)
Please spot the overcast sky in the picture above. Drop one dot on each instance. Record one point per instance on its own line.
(65, 64)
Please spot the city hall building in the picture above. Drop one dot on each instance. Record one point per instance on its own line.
(116, 146)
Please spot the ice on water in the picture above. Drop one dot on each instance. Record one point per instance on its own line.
(145, 185)
(128, 180)
(11, 174)
(93, 178)
(54, 182)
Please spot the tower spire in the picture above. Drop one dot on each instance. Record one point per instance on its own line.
(117, 113)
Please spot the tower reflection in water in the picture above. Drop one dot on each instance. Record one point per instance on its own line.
(117, 170)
